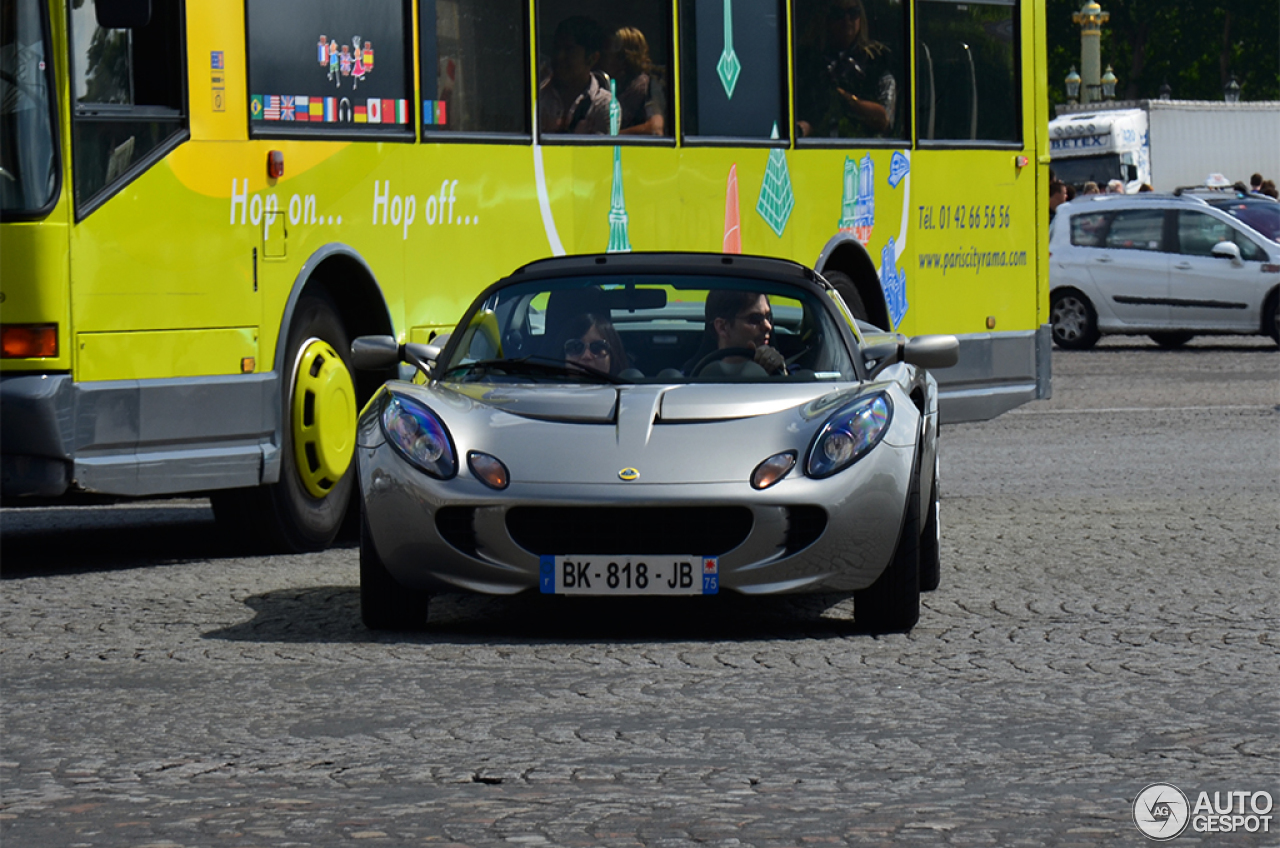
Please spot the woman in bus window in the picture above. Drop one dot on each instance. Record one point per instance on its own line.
(640, 91)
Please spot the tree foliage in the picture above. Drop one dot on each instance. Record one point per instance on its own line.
(1194, 46)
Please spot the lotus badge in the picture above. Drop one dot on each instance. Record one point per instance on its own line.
(628, 474)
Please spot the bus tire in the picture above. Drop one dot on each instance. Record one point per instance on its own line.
(843, 284)
(1074, 320)
(305, 508)
(384, 603)
(892, 603)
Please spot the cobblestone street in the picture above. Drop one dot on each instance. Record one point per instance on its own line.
(1107, 619)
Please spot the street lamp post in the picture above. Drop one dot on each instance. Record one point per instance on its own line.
(1231, 91)
(1073, 86)
(1091, 18)
(1109, 84)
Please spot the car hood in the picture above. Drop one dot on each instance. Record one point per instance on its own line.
(668, 434)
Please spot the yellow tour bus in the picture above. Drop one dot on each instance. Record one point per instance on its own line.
(204, 202)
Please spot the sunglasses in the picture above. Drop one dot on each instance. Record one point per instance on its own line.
(755, 319)
(576, 347)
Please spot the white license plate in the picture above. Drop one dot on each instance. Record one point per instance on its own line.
(636, 575)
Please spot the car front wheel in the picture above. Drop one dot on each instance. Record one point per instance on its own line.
(892, 603)
(1075, 323)
(384, 603)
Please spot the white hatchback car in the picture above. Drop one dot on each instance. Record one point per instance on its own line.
(1171, 266)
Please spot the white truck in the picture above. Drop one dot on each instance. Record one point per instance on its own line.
(1166, 143)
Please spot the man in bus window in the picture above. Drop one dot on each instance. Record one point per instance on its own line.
(575, 99)
(845, 87)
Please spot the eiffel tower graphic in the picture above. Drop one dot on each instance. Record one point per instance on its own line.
(618, 240)
(728, 67)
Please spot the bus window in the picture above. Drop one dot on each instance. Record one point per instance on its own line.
(851, 69)
(475, 66)
(585, 50)
(967, 81)
(129, 104)
(327, 67)
(733, 69)
(28, 150)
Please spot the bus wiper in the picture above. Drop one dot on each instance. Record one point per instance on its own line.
(535, 366)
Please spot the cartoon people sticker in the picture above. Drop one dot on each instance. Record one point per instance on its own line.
(352, 61)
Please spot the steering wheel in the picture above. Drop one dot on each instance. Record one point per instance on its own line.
(722, 353)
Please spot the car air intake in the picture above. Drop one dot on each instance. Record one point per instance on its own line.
(697, 531)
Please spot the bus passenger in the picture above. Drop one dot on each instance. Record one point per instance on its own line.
(845, 87)
(640, 89)
(575, 99)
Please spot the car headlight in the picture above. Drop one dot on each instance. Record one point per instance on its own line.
(849, 435)
(419, 436)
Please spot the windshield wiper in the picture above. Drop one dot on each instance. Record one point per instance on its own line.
(534, 366)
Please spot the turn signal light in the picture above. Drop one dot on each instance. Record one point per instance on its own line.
(489, 470)
(24, 341)
(275, 164)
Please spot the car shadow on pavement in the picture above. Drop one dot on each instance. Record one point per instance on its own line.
(331, 614)
(52, 541)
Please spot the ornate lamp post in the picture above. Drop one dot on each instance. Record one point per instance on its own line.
(1231, 91)
(1109, 84)
(1073, 86)
(1166, 93)
(1091, 18)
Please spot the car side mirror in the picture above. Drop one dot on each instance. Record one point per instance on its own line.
(932, 351)
(374, 353)
(378, 353)
(921, 351)
(1228, 250)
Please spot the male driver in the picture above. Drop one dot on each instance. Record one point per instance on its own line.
(743, 321)
(575, 99)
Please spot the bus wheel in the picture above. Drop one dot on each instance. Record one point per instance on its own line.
(844, 287)
(304, 510)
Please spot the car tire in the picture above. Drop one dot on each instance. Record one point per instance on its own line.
(1074, 320)
(931, 540)
(843, 284)
(384, 603)
(304, 509)
(1271, 316)
(892, 603)
(1170, 341)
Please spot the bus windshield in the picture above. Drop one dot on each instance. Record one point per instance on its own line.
(28, 154)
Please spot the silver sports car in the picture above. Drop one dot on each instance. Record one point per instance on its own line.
(653, 424)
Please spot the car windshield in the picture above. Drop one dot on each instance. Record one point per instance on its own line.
(650, 328)
(1262, 215)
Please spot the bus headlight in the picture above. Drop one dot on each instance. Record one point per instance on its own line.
(419, 436)
(849, 435)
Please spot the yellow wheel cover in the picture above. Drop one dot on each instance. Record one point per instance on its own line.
(324, 417)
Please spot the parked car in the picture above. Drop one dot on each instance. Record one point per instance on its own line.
(1171, 266)
(586, 430)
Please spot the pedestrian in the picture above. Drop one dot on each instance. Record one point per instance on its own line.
(1090, 187)
(1115, 187)
(1057, 196)
(1255, 182)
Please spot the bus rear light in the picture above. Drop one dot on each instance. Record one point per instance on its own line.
(275, 164)
(24, 341)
